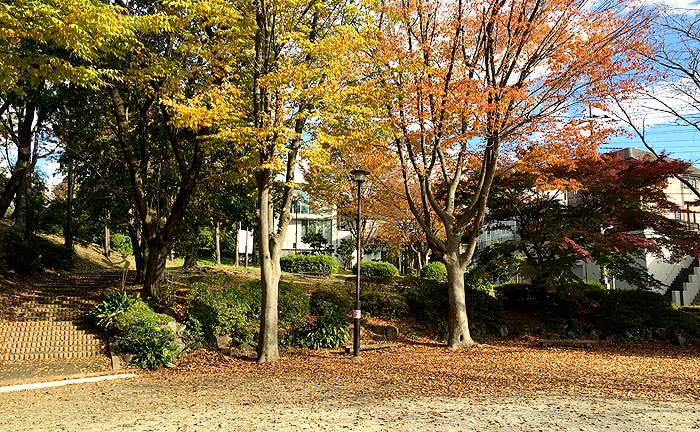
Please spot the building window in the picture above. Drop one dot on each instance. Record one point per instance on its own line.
(677, 215)
(316, 226)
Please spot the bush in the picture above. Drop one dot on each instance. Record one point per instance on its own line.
(140, 331)
(20, 256)
(193, 336)
(324, 302)
(121, 243)
(516, 295)
(304, 263)
(430, 304)
(293, 303)
(57, 257)
(114, 303)
(434, 271)
(631, 310)
(377, 269)
(328, 331)
(385, 304)
(233, 310)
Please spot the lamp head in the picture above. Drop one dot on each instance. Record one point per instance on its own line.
(359, 175)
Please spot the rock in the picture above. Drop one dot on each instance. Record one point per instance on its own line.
(502, 331)
(180, 344)
(219, 341)
(522, 335)
(246, 350)
(594, 334)
(660, 333)
(172, 325)
(180, 329)
(378, 330)
(405, 330)
(647, 333)
(627, 335)
(609, 338)
(391, 332)
(127, 357)
(679, 337)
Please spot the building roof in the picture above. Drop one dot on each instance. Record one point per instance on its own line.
(634, 153)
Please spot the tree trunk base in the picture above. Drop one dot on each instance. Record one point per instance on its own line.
(265, 357)
(463, 344)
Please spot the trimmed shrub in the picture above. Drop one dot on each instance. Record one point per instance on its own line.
(430, 304)
(193, 336)
(516, 295)
(293, 303)
(323, 302)
(305, 263)
(328, 331)
(376, 269)
(631, 310)
(435, 271)
(140, 331)
(121, 243)
(384, 303)
(233, 310)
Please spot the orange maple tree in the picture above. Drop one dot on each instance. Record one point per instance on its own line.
(467, 85)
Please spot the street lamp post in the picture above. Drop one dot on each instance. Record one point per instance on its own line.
(359, 177)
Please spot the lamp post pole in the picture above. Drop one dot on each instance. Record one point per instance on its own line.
(359, 177)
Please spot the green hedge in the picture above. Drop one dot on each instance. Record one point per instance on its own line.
(616, 311)
(429, 303)
(235, 309)
(323, 302)
(305, 263)
(385, 304)
(434, 271)
(376, 269)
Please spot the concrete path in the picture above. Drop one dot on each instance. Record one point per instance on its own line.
(235, 403)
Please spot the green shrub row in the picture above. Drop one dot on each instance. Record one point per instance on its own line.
(329, 330)
(323, 302)
(376, 269)
(235, 309)
(305, 263)
(429, 303)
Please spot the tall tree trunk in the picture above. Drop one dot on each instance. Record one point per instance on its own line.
(190, 261)
(68, 231)
(247, 235)
(154, 279)
(457, 322)
(238, 255)
(22, 204)
(270, 273)
(24, 147)
(107, 245)
(217, 243)
(136, 243)
(158, 236)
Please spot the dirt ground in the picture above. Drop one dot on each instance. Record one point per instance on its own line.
(511, 386)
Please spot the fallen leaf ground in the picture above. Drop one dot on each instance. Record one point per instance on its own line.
(651, 371)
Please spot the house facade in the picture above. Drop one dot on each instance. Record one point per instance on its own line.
(680, 281)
